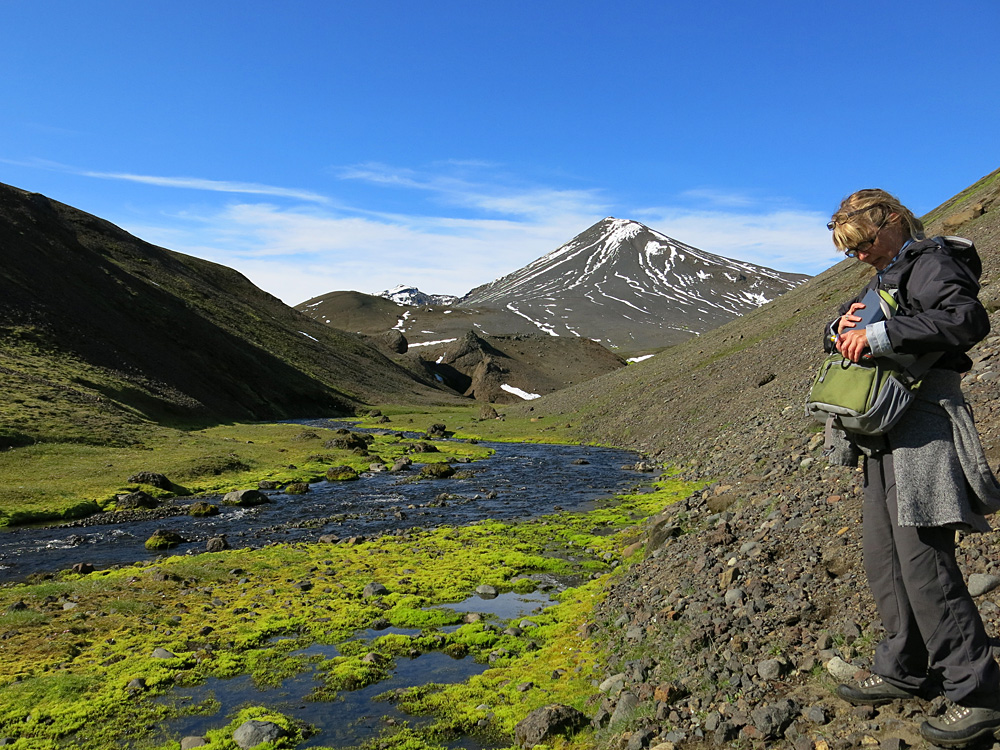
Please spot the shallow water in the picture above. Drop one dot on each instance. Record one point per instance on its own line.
(354, 716)
(528, 480)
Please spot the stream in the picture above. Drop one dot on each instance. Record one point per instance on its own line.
(520, 480)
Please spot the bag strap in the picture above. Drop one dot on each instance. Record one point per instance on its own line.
(915, 371)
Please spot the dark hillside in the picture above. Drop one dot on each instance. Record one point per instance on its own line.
(162, 334)
(353, 311)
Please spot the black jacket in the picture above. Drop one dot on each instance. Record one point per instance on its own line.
(937, 283)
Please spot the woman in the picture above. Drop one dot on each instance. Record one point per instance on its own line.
(927, 477)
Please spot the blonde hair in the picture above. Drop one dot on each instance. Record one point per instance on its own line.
(862, 213)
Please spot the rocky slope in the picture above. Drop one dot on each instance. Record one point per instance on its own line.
(751, 603)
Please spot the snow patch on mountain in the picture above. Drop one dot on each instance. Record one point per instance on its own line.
(636, 286)
(410, 295)
(518, 392)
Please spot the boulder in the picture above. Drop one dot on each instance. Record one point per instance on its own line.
(151, 478)
(202, 509)
(394, 341)
(350, 441)
(341, 474)
(254, 732)
(423, 448)
(547, 722)
(627, 704)
(771, 721)
(401, 464)
(660, 533)
(982, 583)
(297, 488)
(245, 498)
(189, 743)
(133, 500)
(217, 544)
(162, 653)
(436, 471)
(374, 589)
(164, 539)
(964, 216)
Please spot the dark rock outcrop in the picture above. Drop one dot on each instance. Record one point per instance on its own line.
(134, 500)
(151, 478)
(547, 722)
(245, 498)
(164, 539)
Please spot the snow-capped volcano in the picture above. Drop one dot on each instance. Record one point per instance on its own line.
(626, 285)
(410, 295)
(619, 283)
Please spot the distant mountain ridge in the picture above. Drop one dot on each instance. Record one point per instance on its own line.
(619, 283)
(410, 295)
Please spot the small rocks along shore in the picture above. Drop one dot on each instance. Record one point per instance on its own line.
(751, 603)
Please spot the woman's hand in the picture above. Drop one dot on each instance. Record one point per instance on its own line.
(849, 319)
(853, 343)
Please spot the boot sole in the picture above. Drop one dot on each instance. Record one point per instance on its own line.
(982, 733)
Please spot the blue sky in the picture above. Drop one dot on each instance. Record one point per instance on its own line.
(325, 145)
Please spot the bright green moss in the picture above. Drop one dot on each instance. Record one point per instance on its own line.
(72, 667)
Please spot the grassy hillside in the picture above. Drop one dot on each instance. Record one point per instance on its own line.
(102, 334)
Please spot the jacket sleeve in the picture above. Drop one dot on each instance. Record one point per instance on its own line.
(944, 312)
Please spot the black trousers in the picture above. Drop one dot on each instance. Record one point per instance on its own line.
(935, 639)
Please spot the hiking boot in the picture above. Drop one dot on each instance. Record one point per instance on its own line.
(961, 725)
(872, 691)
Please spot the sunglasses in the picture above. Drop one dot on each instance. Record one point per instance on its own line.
(852, 252)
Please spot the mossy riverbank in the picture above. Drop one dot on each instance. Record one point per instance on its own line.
(56, 481)
(78, 661)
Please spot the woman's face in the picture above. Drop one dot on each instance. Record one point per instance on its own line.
(882, 246)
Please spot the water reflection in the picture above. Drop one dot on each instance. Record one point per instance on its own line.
(354, 716)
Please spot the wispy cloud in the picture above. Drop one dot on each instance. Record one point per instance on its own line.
(466, 223)
(298, 253)
(217, 186)
(490, 194)
(784, 239)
